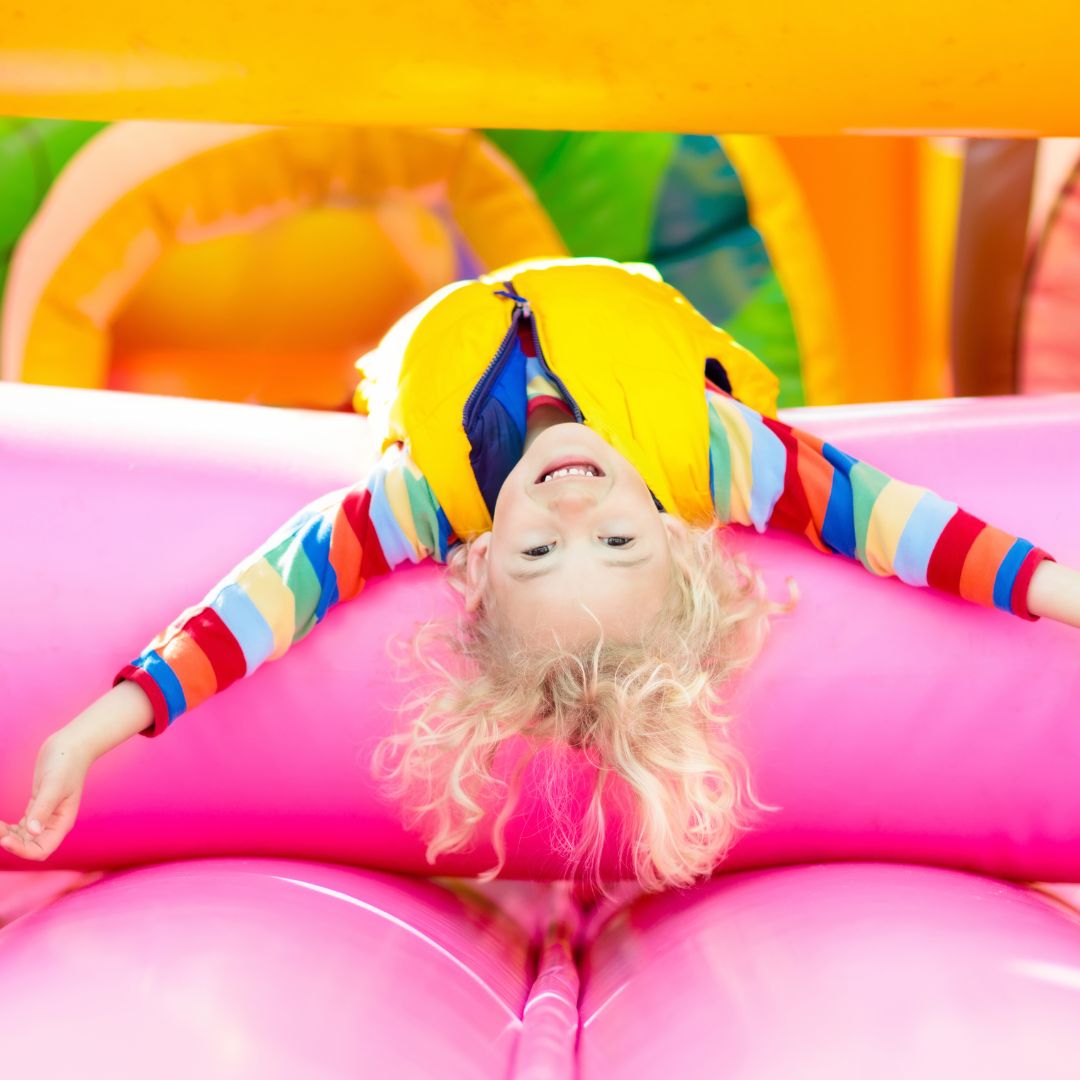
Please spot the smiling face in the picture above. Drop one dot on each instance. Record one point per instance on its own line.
(577, 544)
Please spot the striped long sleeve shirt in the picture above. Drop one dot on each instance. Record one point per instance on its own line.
(763, 474)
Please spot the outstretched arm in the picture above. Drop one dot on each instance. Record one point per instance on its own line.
(61, 767)
(766, 473)
(321, 557)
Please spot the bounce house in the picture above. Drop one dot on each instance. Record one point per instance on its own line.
(907, 908)
(148, 256)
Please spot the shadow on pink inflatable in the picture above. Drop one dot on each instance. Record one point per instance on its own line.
(885, 722)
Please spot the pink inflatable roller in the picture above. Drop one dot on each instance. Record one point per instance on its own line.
(255, 968)
(270, 968)
(844, 972)
(885, 722)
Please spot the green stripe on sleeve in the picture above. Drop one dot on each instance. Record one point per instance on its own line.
(424, 511)
(866, 485)
(290, 561)
(720, 457)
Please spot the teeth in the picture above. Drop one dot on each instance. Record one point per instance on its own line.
(570, 470)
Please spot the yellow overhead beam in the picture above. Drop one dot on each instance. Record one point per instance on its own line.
(795, 67)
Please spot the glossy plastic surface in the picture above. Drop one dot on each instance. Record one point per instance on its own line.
(261, 968)
(839, 972)
(886, 722)
(702, 66)
(269, 968)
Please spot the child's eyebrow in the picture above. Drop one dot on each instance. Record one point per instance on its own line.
(528, 575)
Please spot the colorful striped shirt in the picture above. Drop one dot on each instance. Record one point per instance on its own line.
(763, 473)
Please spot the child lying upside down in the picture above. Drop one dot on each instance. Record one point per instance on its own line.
(566, 436)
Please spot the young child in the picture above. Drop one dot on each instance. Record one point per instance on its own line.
(566, 435)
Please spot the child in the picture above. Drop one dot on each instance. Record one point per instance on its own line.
(564, 434)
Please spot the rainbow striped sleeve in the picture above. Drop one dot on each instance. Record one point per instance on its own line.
(765, 473)
(278, 595)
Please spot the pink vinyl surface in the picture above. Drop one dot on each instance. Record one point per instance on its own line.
(273, 968)
(885, 722)
(260, 968)
(838, 972)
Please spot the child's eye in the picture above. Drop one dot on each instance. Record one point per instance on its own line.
(538, 552)
(617, 541)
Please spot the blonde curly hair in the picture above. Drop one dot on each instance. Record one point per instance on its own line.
(645, 712)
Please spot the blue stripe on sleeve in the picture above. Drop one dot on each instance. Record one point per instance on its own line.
(768, 465)
(315, 537)
(444, 534)
(395, 544)
(158, 669)
(838, 528)
(921, 534)
(245, 622)
(1007, 571)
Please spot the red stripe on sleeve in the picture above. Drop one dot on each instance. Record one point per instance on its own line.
(947, 561)
(153, 692)
(221, 648)
(792, 510)
(1018, 600)
(546, 399)
(357, 507)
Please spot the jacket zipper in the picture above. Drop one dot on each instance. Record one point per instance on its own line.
(522, 310)
(578, 415)
(493, 368)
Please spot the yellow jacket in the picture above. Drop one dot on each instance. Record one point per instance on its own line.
(629, 350)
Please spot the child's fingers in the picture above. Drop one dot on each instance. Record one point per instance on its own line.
(19, 842)
(28, 848)
(9, 833)
(41, 807)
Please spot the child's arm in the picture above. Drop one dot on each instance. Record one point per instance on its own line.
(323, 556)
(62, 763)
(766, 473)
(1055, 593)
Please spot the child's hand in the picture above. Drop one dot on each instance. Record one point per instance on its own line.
(63, 761)
(59, 775)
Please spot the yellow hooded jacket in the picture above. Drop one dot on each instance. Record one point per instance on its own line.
(629, 350)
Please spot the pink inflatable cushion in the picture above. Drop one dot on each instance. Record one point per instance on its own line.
(273, 968)
(886, 722)
(23, 891)
(845, 972)
(262, 968)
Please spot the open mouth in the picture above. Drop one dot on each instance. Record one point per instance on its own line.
(562, 469)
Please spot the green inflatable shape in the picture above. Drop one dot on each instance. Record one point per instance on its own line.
(705, 244)
(674, 201)
(32, 153)
(599, 188)
(765, 327)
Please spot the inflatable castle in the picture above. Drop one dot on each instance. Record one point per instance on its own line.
(225, 207)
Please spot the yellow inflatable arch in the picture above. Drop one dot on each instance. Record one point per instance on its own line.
(148, 217)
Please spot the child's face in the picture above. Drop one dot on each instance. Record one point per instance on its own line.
(574, 553)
